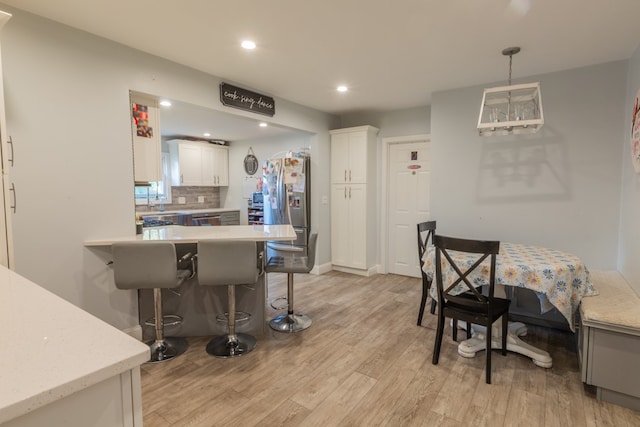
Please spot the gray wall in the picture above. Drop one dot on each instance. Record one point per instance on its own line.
(67, 102)
(410, 121)
(559, 188)
(630, 207)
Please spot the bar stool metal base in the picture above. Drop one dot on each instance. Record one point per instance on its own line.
(223, 346)
(166, 349)
(290, 322)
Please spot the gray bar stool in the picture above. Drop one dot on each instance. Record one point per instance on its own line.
(290, 264)
(151, 265)
(229, 263)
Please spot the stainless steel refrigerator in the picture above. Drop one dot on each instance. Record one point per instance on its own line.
(286, 184)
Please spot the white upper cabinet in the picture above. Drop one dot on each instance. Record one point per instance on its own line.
(352, 154)
(145, 133)
(198, 164)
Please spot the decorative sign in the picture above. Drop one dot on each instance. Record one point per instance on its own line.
(243, 99)
(635, 134)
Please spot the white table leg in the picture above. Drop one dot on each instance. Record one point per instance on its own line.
(470, 347)
(477, 343)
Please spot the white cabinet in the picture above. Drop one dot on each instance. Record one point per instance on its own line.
(348, 225)
(353, 214)
(7, 188)
(350, 156)
(198, 164)
(145, 133)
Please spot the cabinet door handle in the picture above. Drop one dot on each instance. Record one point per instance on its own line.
(349, 192)
(349, 175)
(345, 176)
(15, 200)
(10, 142)
(181, 178)
(345, 192)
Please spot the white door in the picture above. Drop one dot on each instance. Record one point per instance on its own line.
(408, 204)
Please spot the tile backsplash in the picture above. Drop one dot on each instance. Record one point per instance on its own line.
(211, 199)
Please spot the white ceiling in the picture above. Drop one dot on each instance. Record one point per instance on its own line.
(392, 54)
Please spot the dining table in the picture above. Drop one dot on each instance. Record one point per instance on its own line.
(559, 279)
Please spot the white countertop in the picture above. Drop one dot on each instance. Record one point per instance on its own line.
(52, 348)
(186, 211)
(182, 234)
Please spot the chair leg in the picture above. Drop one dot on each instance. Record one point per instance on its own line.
(433, 306)
(291, 322)
(488, 369)
(438, 342)
(423, 301)
(505, 331)
(455, 330)
(163, 349)
(232, 344)
(468, 330)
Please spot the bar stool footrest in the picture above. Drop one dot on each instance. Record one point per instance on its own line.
(284, 307)
(167, 319)
(241, 316)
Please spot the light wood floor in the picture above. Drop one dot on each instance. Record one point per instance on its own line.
(364, 362)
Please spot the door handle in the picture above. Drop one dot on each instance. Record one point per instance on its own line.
(15, 200)
(10, 142)
(181, 178)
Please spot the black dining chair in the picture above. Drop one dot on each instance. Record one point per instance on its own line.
(426, 230)
(470, 306)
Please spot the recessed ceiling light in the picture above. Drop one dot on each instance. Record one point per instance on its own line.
(263, 125)
(248, 44)
(165, 103)
(207, 134)
(342, 88)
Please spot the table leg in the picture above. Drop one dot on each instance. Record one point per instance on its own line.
(477, 343)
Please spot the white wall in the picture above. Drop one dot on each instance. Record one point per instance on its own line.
(67, 101)
(630, 207)
(567, 193)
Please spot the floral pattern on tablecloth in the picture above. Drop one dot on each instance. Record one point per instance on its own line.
(561, 278)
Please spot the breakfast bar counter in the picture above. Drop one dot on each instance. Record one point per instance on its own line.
(181, 234)
(200, 307)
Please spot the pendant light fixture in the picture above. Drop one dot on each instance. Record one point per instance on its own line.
(512, 109)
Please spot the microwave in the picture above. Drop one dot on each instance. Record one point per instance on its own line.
(257, 199)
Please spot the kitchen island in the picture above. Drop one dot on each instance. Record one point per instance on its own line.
(61, 366)
(199, 306)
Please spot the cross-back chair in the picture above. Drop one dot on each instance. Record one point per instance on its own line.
(426, 230)
(460, 299)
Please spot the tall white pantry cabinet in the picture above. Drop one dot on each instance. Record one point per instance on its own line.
(353, 162)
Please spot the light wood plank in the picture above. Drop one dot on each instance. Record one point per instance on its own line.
(365, 362)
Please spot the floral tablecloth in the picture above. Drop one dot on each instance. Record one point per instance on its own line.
(558, 277)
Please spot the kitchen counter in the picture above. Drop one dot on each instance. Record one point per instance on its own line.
(199, 305)
(182, 234)
(53, 350)
(187, 211)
